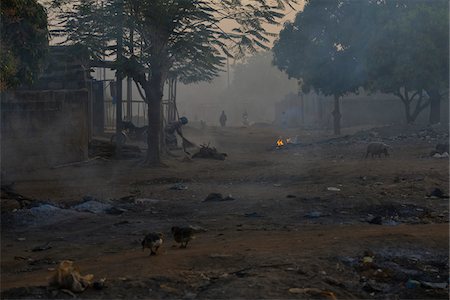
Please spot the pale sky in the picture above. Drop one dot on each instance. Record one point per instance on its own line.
(289, 15)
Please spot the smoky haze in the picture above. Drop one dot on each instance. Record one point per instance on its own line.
(253, 85)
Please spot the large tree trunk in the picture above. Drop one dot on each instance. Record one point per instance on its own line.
(337, 116)
(154, 129)
(435, 106)
(154, 94)
(409, 118)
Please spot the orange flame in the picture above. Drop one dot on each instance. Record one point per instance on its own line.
(280, 143)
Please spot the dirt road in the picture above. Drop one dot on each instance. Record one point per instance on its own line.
(284, 232)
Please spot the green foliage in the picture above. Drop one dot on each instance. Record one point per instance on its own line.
(410, 48)
(317, 48)
(24, 42)
(392, 46)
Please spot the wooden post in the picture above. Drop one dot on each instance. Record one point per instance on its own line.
(119, 79)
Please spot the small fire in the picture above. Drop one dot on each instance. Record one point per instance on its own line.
(280, 143)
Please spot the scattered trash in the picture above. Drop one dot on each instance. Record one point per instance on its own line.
(100, 284)
(108, 150)
(294, 141)
(333, 189)
(367, 260)
(218, 255)
(434, 285)
(217, 197)
(437, 193)
(253, 215)
(42, 247)
(412, 284)
(315, 214)
(93, 206)
(67, 276)
(209, 153)
(378, 220)
(121, 223)
(276, 184)
(21, 239)
(313, 292)
(145, 201)
(178, 187)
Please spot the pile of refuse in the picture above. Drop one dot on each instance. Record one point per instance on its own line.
(432, 134)
(209, 153)
(405, 273)
(43, 214)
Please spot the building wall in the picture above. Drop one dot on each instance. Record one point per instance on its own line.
(43, 128)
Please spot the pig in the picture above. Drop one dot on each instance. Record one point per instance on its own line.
(377, 148)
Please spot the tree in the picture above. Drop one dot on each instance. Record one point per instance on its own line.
(318, 49)
(192, 32)
(186, 38)
(24, 42)
(409, 54)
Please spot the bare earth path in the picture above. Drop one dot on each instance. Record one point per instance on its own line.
(284, 229)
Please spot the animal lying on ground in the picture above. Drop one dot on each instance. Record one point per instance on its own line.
(377, 148)
(152, 241)
(182, 235)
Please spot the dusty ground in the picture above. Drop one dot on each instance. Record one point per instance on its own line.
(285, 231)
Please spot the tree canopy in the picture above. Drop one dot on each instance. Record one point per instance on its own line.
(392, 46)
(409, 52)
(184, 38)
(24, 42)
(317, 48)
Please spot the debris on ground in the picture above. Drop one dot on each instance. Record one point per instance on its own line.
(42, 247)
(217, 197)
(315, 214)
(437, 193)
(11, 200)
(67, 276)
(333, 189)
(253, 215)
(107, 149)
(178, 187)
(311, 292)
(402, 272)
(209, 153)
(93, 206)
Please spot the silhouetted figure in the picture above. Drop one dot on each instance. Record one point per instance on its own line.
(223, 119)
(245, 118)
(171, 129)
